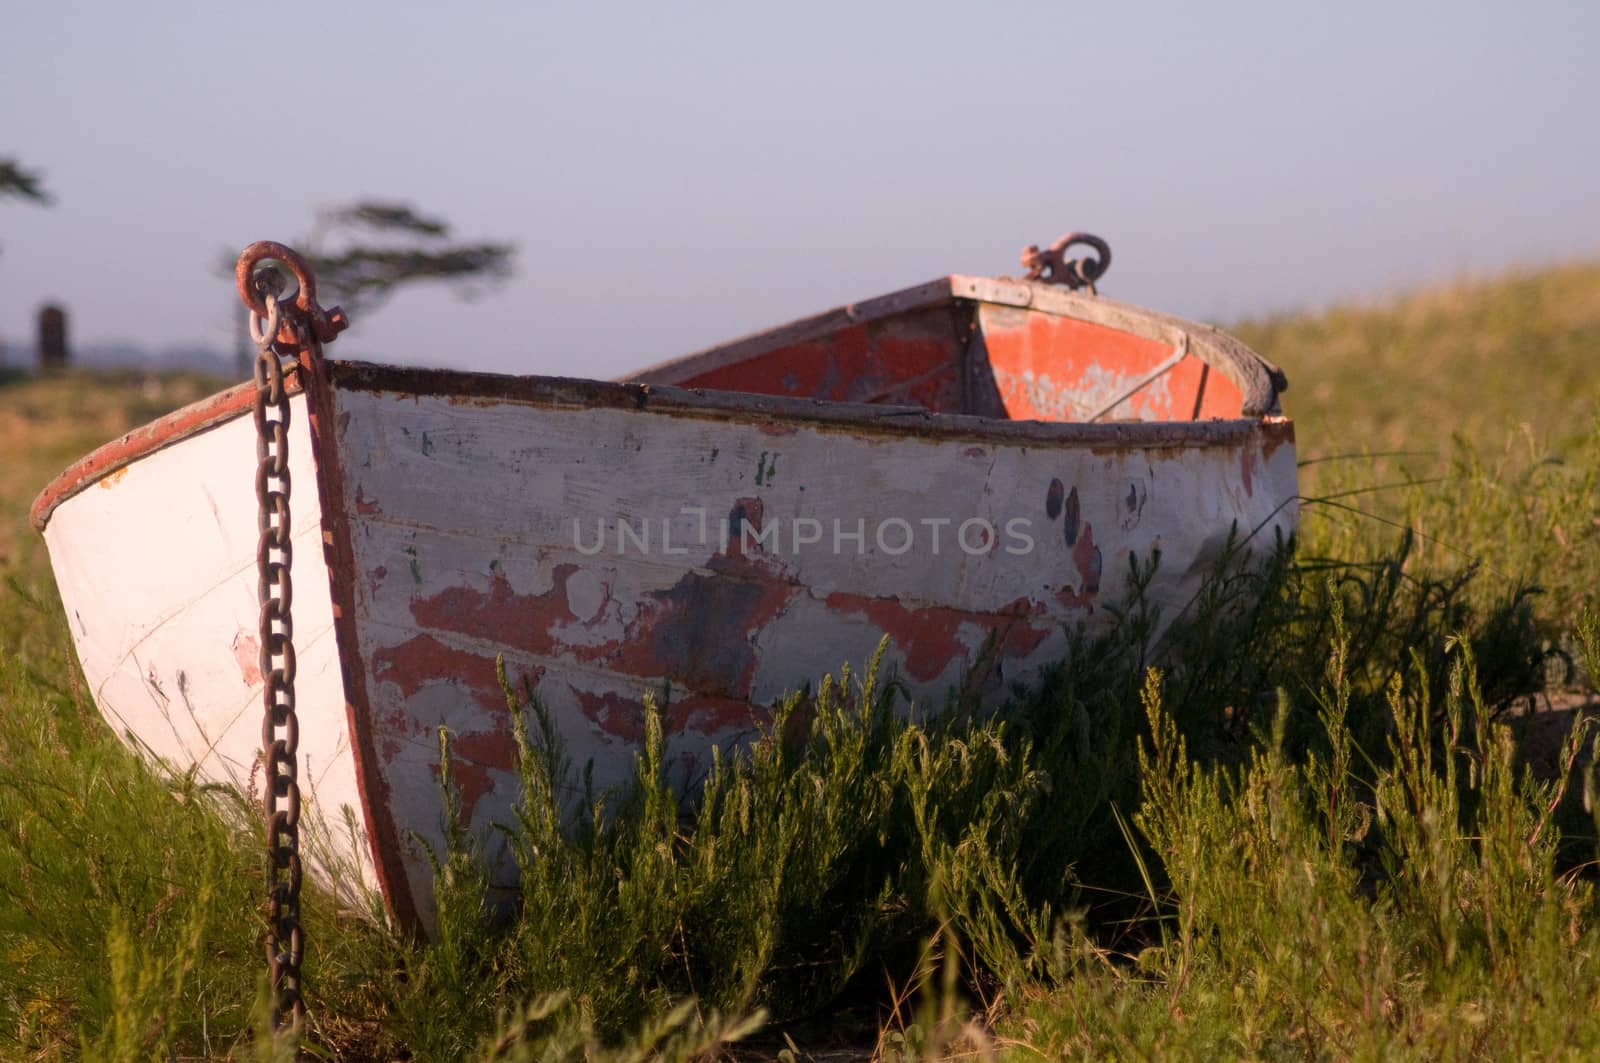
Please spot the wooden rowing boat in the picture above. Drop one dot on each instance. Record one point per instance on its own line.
(964, 467)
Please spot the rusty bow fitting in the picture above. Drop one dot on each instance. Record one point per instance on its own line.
(1053, 267)
(324, 325)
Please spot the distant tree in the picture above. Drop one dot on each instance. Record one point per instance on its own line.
(15, 181)
(365, 251)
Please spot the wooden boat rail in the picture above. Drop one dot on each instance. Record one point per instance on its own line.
(1259, 381)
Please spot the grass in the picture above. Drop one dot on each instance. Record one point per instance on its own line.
(1471, 359)
(1311, 833)
(1418, 909)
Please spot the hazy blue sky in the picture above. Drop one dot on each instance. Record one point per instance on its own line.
(679, 174)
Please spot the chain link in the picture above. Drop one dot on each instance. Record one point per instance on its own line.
(280, 726)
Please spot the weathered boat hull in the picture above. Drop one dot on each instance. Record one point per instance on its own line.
(718, 548)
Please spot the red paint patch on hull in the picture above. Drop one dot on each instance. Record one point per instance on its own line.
(423, 660)
(522, 621)
(616, 715)
(700, 632)
(247, 651)
(928, 636)
(712, 716)
(1086, 558)
(473, 756)
(623, 717)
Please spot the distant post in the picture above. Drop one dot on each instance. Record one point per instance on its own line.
(52, 337)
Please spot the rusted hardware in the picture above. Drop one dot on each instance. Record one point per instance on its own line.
(324, 325)
(285, 942)
(281, 330)
(1053, 267)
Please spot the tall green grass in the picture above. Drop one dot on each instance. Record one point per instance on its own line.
(1408, 901)
(840, 835)
(1309, 831)
(817, 866)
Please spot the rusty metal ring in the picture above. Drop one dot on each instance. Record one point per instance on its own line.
(266, 492)
(290, 739)
(273, 482)
(275, 585)
(1052, 266)
(278, 462)
(281, 710)
(324, 325)
(268, 378)
(289, 668)
(277, 641)
(272, 521)
(266, 542)
(270, 250)
(264, 666)
(277, 829)
(290, 810)
(1089, 270)
(280, 508)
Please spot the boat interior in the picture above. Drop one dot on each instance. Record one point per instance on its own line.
(962, 345)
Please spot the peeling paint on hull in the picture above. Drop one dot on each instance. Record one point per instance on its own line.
(719, 587)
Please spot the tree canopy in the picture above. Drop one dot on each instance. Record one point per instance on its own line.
(21, 184)
(24, 184)
(379, 246)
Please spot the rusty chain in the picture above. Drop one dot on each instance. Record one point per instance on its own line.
(280, 727)
(284, 329)
(1053, 267)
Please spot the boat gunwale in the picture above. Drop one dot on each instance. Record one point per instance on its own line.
(860, 418)
(653, 387)
(168, 430)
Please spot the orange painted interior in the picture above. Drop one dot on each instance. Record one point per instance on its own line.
(1045, 367)
(908, 359)
(1041, 367)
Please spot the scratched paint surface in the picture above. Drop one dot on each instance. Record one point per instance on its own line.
(1055, 368)
(722, 562)
(1025, 365)
(156, 568)
(909, 358)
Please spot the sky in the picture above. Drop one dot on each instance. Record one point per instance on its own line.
(676, 175)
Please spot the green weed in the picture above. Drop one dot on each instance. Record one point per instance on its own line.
(1416, 909)
(1311, 832)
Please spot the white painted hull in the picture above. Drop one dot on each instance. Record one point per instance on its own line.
(156, 569)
